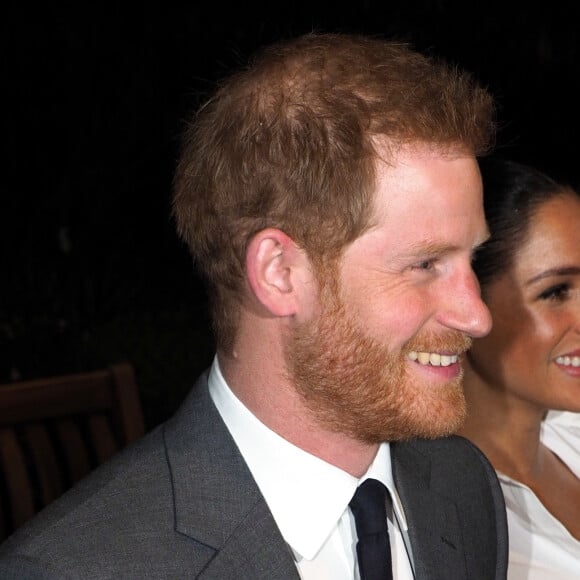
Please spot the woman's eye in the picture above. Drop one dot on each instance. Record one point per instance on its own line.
(559, 292)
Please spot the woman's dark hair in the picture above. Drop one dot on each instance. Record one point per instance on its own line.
(512, 193)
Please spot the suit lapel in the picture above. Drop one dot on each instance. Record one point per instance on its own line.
(217, 502)
(255, 550)
(434, 528)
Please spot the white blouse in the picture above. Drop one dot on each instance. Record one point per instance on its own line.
(541, 548)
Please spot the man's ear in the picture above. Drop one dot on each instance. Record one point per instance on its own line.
(276, 269)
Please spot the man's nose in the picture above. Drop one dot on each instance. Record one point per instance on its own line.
(464, 309)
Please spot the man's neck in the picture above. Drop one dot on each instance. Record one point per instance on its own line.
(266, 391)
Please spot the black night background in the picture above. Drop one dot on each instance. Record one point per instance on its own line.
(94, 99)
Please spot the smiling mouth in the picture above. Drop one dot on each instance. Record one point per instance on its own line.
(568, 361)
(433, 358)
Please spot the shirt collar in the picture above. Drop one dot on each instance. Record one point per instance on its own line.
(306, 495)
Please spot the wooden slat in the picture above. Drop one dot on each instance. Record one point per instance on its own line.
(128, 407)
(51, 480)
(5, 528)
(102, 437)
(75, 451)
(17, 478)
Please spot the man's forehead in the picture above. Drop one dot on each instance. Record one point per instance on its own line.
(430, 197)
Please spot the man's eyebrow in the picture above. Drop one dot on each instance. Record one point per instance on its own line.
(559, 271)
(430, 248)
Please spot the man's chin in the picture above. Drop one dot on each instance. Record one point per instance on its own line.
(422, 419)
(444, 420)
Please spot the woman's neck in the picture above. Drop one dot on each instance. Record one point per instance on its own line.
(506, 428)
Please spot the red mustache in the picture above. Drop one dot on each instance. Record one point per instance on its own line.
(449, 343)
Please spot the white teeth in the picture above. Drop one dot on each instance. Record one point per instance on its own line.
(447, 360)
(568, 361)
(432, 358)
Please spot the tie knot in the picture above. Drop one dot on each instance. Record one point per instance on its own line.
(368, 506)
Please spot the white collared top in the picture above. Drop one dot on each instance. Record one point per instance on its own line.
(541, 548)
(307, 496)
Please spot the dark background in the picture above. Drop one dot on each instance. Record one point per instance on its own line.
(94, 99)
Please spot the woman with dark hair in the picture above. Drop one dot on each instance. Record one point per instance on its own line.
(529, 365)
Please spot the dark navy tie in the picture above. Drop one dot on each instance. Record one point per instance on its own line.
(373, 549)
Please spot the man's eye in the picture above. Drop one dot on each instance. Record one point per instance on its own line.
(424, 265)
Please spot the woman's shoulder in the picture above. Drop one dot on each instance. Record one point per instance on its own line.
(561, 434)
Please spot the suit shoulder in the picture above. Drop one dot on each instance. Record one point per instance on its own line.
(132, 490)
(455, 465)
(452, 471)
(448, 450)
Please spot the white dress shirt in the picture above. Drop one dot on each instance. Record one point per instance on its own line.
(541, 548)
(307, 496)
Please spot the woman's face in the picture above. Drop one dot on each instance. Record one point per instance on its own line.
(533, 350)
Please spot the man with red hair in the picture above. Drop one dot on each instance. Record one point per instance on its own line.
(331, 198)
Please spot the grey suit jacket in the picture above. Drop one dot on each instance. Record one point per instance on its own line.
(181, 503)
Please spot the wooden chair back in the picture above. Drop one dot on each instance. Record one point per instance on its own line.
(54, 431)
